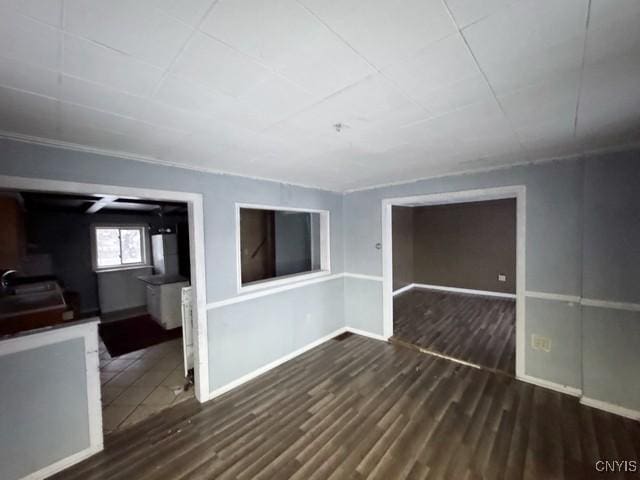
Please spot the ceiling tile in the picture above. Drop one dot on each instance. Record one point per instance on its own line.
(318, 60)
(28, 114)
(28, 77)
(506, 75)
(78, 114)
(468, 11)
(28, 40)
(47, 11)
(373, 102)
(95, 63)
(181, 93)
(457, 95)
(472, 122)
(134, 27)
(613, 31)
(445, 66)
(385, 31)
(552, 99)
(218, 66)
(529, 40)
(190, 12)
(525, 28)
(604, 13)
(276, 98)
(99, 97)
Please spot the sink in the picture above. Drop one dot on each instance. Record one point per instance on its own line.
(32, 298)
(37, 287)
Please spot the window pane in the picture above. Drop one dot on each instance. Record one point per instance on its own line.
(131, 242)
(108, 247)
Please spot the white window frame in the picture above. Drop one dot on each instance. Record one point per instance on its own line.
(325, 250)
(145, 246)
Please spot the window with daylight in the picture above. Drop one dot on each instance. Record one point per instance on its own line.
(119, 246)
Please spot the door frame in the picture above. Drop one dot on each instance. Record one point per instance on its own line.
(196, 250)
(518, 192)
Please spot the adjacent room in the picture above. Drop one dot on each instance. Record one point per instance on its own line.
(319, 239)
(123, 260)
(454, 275)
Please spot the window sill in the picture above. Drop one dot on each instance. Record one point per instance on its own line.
(120, 269)
(280, 281)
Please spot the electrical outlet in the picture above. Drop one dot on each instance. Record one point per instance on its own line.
(541, 343)
(502, 277)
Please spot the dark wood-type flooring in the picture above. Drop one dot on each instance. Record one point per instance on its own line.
(479, 330)
(357, 408)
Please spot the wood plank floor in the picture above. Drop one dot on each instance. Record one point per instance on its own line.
(475, 329)
(357, 408)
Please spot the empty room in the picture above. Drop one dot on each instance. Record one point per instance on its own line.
(454, 271)
(319, 239)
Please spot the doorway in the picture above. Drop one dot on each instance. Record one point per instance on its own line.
(443, 303)
(195, 353)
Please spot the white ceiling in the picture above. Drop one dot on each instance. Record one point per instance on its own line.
(254, 87)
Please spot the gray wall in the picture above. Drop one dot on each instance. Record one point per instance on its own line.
(403, 238)
(293, 242)
(220, 193)
(557, 217)
(248, 335)
(596, 196)
(121, 289)
(466, 245)
(611, 271)
(67, 238)
(43, 407)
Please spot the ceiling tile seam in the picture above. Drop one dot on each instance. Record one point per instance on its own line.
(32, 139)
(363, 57)
(31, 17)
(582, 69)
(66, 102)
(110, 88)
(61, 61)
(484, 17)
(194, 29)
(306, 108)
(485, 78)
(257, 61)
(89, 40)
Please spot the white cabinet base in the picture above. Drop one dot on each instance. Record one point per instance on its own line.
(164, 303)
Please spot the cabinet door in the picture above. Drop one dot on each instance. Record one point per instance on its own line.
(11, 233)
(153, 302)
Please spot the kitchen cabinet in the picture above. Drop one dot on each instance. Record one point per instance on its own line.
(12, 235)
(164, 304)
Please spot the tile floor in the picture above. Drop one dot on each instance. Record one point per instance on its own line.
(141, 383)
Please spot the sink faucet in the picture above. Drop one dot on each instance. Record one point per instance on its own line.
(4, 281)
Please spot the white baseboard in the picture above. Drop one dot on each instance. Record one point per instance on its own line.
(611, 408)
(558, 387)
(364, 333)
(265, 368)
(67, 462)
(404, 289)
(485, 293)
